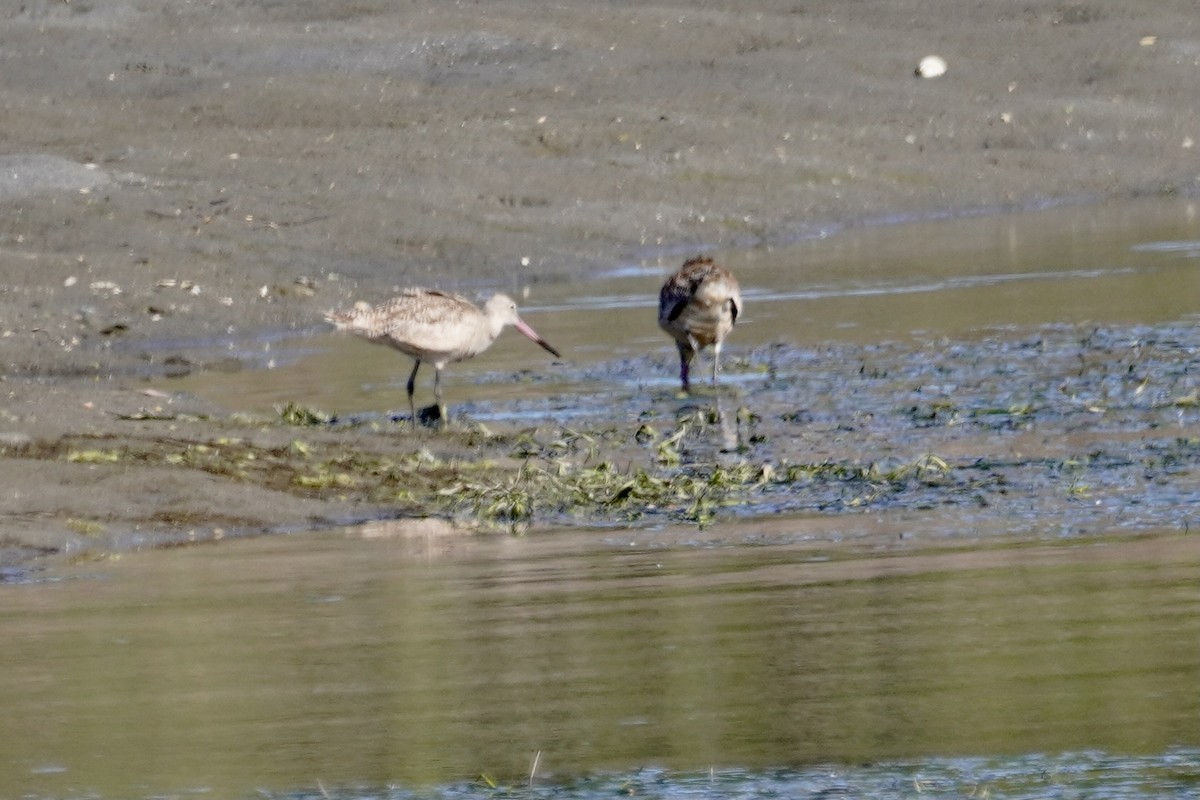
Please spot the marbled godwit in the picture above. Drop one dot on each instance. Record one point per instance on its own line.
(433, 326)
(698, 306)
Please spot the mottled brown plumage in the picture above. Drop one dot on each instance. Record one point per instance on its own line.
(698, 306)
(433, 326)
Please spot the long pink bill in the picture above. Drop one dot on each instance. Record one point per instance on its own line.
(532, 334)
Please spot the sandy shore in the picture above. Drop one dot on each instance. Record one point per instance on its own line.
(174, 171)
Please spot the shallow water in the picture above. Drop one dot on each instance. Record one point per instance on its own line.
(1114, 264)
(409, 656)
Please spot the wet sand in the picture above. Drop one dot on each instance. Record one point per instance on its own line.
(174, 176)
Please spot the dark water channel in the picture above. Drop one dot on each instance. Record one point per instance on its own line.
(1032, 640)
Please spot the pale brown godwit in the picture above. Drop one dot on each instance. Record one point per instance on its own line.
(433, 326)
(698, 306)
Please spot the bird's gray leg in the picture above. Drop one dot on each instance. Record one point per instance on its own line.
(412, 381)
(443, 414)
(716, 361)
(730, 441)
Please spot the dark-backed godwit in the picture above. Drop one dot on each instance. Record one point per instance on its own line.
(698, 306)
(433, 326)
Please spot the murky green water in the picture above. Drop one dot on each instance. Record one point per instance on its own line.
(417, 658)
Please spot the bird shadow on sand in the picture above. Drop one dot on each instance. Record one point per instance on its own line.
(432, 416)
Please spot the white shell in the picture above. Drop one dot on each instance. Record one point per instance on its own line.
(931, 67)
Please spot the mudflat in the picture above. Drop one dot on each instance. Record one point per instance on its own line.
(171, 172)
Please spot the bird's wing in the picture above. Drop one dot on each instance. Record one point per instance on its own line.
(676, 309)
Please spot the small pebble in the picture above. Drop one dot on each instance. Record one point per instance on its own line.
(931, 67)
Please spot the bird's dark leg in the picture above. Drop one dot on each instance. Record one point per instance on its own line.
(685, 359)
(412, 382)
